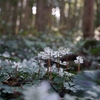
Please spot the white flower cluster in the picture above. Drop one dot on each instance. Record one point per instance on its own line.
(31, 66)
(16, 65)
(79, 59)
(63, 51)
(5, 54)
(49, 53)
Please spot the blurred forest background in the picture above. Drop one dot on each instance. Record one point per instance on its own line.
(67, 17)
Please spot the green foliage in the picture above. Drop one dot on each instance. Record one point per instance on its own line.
(93, 46)
(87, 79)
(22, 51)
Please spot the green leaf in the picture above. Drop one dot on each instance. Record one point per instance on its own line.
(6, 89)
(28, 42)
(9, 58)
(59, 79)
(87, 79)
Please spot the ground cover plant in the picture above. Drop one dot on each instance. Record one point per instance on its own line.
(49, 49)
(57, 73)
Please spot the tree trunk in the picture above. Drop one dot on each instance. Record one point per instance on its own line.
(68, 23)
(5, 15)
(98, 13)
(74, 17)
(14, 18)
(43, 15)
(88, 18)
(8, 16)
(62, 13)
(26, 15)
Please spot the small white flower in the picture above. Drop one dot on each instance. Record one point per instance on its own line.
(6, 54)
(69, 74)
(47, 54)
(63, 51)
(61, 72)
(17, 64)
(43, 55)
(54, 68)
(79, 59)
(57, 54)
(48, 51)
(8, 62)
(24, 63)
(68, 51)
(13, 53)
(64, 63)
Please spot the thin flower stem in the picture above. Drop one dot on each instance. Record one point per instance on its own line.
(49, 66)
(58, 61)
(67, 63)
(0, 67)
(39, 72)
(16, 73)
(78, 67)
(39, 68)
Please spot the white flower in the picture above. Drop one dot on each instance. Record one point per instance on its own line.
(8, 62)
(6, 54)
(54, 68)
(63, 51)
(17, 64)
(69, 74)
(61, 72)
(43, 55)
(79, 59)
(64, 63)
(57, 54)
(68, 51)
(47, 54)
(24, 63)
(48, 51)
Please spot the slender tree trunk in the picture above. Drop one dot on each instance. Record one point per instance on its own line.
(68, 23)
(74, 17)
(14, 19)
(8, 16)
(43, 15)
(26, 15)
(62, 14)
(5, 8)
(88, 18)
